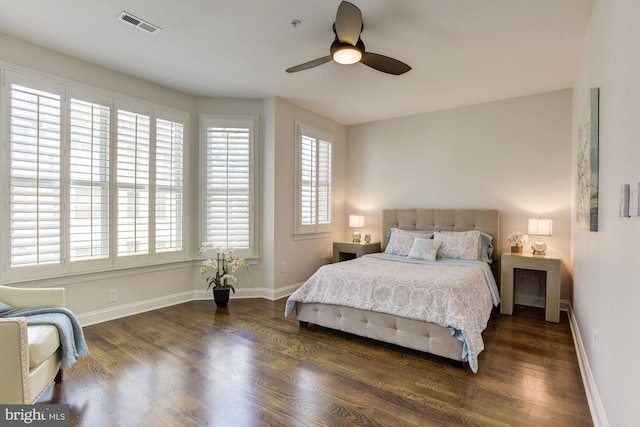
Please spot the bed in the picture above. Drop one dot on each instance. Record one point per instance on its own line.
(383, 297)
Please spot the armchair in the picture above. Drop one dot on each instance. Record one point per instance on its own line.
(30, 356)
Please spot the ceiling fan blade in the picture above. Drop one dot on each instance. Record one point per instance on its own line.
(384, 63)
(309, 64)
(348, 23)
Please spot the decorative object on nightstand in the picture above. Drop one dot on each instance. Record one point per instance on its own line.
(344, 251)
(356, 221)
(367, 238)
(517, 239)
(540, 227)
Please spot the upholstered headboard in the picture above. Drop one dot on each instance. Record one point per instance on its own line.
(487, 220)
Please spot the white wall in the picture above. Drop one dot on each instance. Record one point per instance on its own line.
(145, 288)
(607, 271)
(138, 289)
(253, 282)
(37, 58)
(302, 256)
(512, 155)
(276, 182)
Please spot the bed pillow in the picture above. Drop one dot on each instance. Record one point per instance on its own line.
(458, 244)
(419, 233)
(425, 249)
(4, 307)
(485, 248)
(401, 241)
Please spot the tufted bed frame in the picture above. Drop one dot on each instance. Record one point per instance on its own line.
(417, 335)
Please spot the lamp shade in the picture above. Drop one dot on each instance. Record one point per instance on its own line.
(540, 226)
(356, 220)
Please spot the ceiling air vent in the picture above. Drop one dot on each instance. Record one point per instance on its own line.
(138, 23)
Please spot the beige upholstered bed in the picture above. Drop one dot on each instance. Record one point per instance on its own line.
(406, 332)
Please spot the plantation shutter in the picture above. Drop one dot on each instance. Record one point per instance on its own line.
(132, 179)
(313, 182)
(34, 177)
(169, 185)
(228, 186)
(324, 182)
(89, 180)
(308, 179)
(315, 178)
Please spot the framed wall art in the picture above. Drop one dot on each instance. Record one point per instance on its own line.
(588, 153)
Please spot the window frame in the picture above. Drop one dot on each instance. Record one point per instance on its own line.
(38, 270)
(310, 230)
(172, 118)
(144, 257)
(68, 90)
(230, 121)
(93, 264)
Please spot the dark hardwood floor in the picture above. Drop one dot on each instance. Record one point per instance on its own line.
(248, 365)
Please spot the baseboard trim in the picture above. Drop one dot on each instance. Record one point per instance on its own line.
(104, 315)
(112, 313)
(598, 414)
(285, 292)
(240, 294)
(269, 294)
(253, 293)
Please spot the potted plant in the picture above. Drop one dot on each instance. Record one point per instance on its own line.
(517, 239)
(219, 271)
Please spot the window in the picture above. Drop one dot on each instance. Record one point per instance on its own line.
(89, 132)
(150, 182)
(87, 189)
(169, 185)
(34, 169)
(313, 180)
(229, 194)
(132, 177)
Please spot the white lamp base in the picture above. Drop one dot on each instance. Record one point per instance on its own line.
(356, 237)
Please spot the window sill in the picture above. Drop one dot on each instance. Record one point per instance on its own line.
(309, 236)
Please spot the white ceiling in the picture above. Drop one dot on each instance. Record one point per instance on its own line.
(461, 51)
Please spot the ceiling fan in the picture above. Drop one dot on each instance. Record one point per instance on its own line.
(348, 48)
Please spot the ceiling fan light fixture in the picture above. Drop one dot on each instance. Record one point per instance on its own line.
(347, 55)
(348, 48)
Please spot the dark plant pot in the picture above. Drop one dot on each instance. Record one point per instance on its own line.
(221, 297)
(516, 249)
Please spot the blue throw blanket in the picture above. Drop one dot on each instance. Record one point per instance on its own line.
(71, 335)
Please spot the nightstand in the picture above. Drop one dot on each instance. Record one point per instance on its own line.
(344, 251)
(551, 266)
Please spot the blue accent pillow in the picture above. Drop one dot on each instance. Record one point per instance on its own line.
(485, 249)
(401, 241)
(425, 249)
(4, 307)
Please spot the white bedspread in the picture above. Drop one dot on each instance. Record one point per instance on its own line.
(450, 293)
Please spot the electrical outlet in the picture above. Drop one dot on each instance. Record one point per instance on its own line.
(283, 267)
(113, 295)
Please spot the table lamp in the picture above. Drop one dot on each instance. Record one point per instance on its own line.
(540, 227)
(356, 221)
